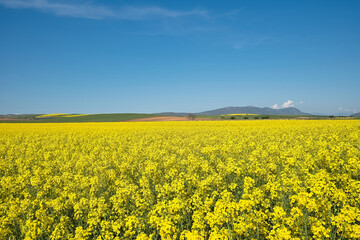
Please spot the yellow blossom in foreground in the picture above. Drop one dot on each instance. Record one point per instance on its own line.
(278, 179)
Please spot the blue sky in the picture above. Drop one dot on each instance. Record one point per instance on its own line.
(153, 56)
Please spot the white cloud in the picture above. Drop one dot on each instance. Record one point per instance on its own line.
(340, 108)
(301, 102)
(275, 106)
(99, 12)
(288, 104)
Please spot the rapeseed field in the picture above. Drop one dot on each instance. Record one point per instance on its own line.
(271, 179)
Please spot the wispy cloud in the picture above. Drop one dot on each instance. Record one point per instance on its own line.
(209, 26)
(137, 13)
(231, 13)
(249, 42)
(91, 11)
(62, 9)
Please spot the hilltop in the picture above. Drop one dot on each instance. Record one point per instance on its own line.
(246, 110)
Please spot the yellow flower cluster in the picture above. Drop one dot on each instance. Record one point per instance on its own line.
(278, 179)
(74, 115)
(60, 115)
(51, 115)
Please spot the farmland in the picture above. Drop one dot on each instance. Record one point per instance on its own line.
(123, 117)
(269, 179)
(72, 118)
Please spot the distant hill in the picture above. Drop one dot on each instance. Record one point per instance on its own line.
(248, 110)
(254, 110)
(356, 115)
(319, 114)
(344, 114)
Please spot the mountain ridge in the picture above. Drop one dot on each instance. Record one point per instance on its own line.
(245, 110)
